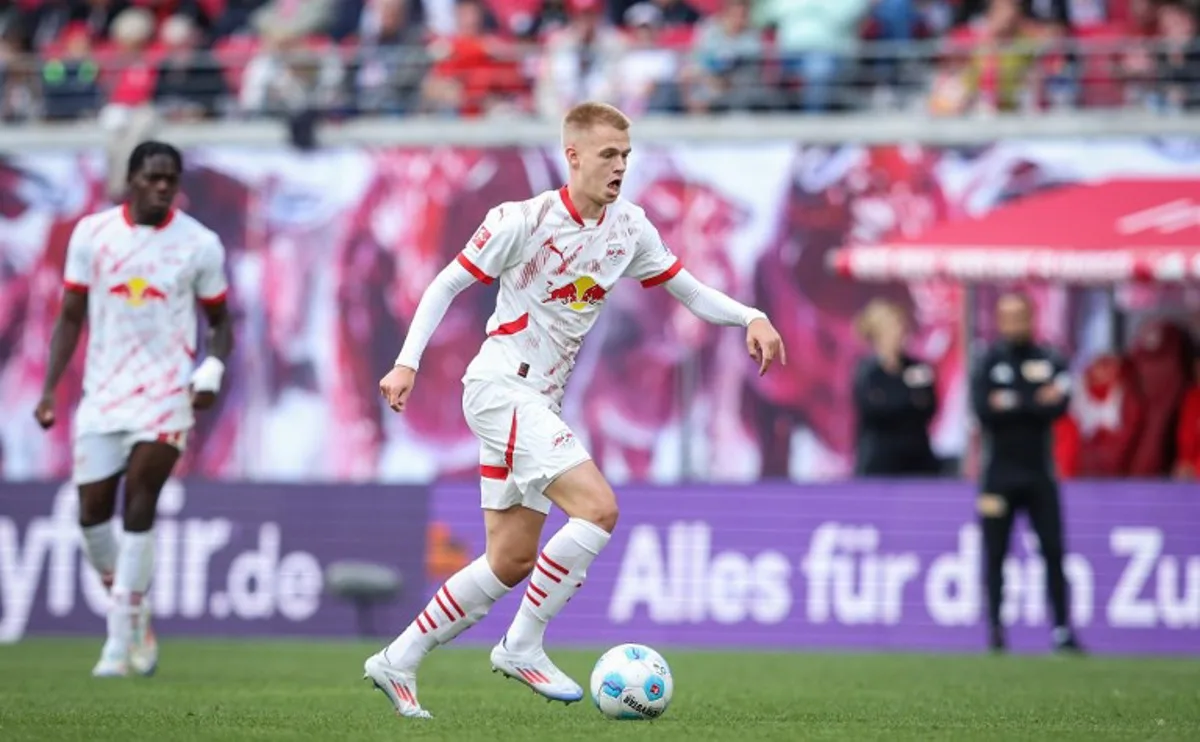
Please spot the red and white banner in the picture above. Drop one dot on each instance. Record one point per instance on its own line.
(1087, 233)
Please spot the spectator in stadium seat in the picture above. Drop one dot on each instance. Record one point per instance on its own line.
(648, 70)
(20, 97)
(129, 116)
(725, 72)
(236, 17)
(189, 85)
(473, 71)
(818, 41)
(1187, 435)
(996, 73)
(71, 79)
(580, 62)
(392, 60)
(894, 399)
(674, 12)
(1178, 64)
(294, 17)
(288, 78)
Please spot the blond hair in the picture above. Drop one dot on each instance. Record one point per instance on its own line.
(586, 115)
(875, 312)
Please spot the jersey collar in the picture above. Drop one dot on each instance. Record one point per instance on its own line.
(127, 214)
(574, 212)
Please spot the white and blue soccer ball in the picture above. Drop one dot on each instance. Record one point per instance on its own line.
(632, 681)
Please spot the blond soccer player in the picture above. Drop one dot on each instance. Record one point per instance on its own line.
(555, 256)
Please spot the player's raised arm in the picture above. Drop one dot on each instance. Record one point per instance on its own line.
(655, 265)
(72, 315)
(488, 254)
(211, 289)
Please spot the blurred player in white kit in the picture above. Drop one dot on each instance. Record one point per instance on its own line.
(134, 273)
(556, 257)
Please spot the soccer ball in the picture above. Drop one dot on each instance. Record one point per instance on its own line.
(632, 681)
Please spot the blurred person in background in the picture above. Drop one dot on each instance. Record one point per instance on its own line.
(818, 41)
(674, 12)
(71, 78)
(894, 399)
(647, 68)
(189, 86)
(294, 17)
(20, 96)
(287, 78)
(235, 18)
(129, 116)
(1178, 61)
(580, 62)
(996, 71)
(1107, 411)
(1187, 436)
(1018, 390)
(725, 72)
(392, 59)
(474, 71)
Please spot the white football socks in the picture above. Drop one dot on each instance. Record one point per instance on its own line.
(100, 548)
(559, 573)
(135, 568)
(459, 604)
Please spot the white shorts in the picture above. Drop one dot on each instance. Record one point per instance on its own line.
(523, 445)
(99, 456)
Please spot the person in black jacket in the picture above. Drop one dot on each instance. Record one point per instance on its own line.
(893, 398)
(1018, 390)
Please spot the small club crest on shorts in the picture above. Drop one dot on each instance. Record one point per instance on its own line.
(523, 370)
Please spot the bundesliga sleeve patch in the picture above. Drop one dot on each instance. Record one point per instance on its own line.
(482, 235)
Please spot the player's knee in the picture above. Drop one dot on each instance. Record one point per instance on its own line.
(95, 508)
(512, 568)
(139, 512)
(601, 511)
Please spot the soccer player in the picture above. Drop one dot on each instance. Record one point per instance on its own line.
(135, 273)
(556, 257)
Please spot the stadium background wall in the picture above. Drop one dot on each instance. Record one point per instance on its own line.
(329, 252)
(886, 566)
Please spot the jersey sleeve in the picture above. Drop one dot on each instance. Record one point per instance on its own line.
(210, 284)
(77, 273)
(653, 262)
(496, 245)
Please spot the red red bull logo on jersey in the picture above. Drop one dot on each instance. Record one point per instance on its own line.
(579, 294)
(138, 291)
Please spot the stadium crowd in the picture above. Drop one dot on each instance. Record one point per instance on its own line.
(70, 59)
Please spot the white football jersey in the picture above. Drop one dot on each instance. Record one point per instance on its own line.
(142, 284)
(555, 270)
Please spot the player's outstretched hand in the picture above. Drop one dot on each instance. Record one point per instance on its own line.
(44, 413)
(396, 386)
(764, 344)
(203, 400)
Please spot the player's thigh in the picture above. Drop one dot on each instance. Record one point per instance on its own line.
(98, 457)
(513, 536)
(551, 465)
(152, 458)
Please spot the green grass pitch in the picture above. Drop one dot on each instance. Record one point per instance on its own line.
(218, 690)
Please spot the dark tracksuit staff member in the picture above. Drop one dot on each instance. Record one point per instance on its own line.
(894, 400)
(1018, 390)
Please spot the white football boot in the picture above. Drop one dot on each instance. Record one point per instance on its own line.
(535, 670)
(399, 686)
(143, 646)
(114, 661)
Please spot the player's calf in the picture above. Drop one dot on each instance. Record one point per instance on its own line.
(561, 567)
